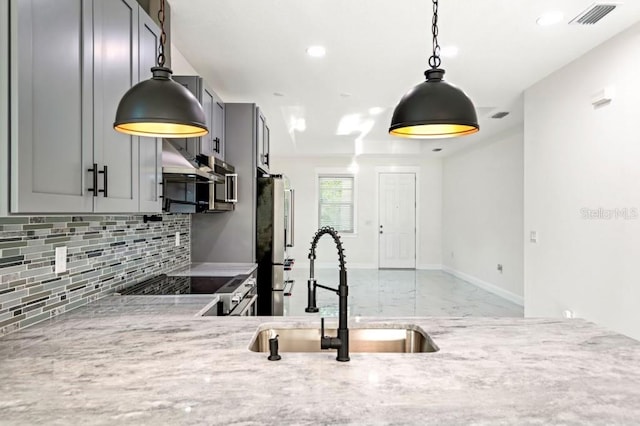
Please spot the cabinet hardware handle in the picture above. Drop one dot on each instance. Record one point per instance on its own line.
(94, 179)
(217, 148)
(292, 217)
(266, 159)
(105, 179)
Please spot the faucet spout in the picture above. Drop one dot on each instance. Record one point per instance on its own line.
(341, 342)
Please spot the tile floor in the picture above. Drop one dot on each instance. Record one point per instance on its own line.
(374, 292)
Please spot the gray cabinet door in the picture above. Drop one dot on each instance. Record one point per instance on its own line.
(207, 146)
(115, 72)
(261, 125)
(267, 147)
(191, 147)
(52, 132)
(4, 108)
(150, 173)
(218, 128)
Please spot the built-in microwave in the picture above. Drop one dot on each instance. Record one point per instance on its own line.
(223, 193)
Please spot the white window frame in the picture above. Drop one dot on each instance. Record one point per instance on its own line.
(338, 173)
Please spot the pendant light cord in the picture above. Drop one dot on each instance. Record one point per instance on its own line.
(163, 35)
(434, 60)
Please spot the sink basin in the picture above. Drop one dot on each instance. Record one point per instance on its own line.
(400, 339)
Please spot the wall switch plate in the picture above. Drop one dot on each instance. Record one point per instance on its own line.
(61, 260)
(533, 236)
(177, 239)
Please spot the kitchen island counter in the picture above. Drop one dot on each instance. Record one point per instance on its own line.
(113, 363)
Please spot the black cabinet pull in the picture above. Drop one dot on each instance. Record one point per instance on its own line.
(266, 159)
(217, 148)
(105, 178)
(94, 179)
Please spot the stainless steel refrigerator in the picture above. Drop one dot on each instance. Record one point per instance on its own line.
(274, 232)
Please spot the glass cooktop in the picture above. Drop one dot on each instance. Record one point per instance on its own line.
(168, 285)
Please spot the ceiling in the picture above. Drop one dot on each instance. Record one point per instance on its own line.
(254, 51)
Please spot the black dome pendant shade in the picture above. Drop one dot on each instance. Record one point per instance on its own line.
(160, 107)
(434, 108)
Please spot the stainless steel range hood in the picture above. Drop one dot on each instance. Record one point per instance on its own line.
(176, 161)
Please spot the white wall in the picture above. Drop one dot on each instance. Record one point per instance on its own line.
(362, 249)
(483, 215)
(179, 64)
(579, 157)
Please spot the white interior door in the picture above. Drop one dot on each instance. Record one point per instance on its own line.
(397, 224)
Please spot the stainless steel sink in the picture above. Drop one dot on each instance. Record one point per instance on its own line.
(400, 339)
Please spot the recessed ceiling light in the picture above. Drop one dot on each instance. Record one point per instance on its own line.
(449, 51)
(550, 18)
(278, 94)
(316, 51)
(345, 95)
(300, 125)
(376, 110)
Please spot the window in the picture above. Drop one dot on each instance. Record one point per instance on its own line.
(335, 202)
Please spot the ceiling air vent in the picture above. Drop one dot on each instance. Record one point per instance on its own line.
(594, 13)
(501, 114)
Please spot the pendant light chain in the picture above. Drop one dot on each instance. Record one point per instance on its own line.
(163, 35)
(434, 60)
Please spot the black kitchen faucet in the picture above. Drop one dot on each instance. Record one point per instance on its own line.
(341, 342)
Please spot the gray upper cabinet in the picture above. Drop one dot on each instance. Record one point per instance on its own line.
(206, 144)
(115, 71)
(4, 109)
(218, 132)
(72, 61)
(150, 149)
(51, 106)
(262, 141)
(212, 144)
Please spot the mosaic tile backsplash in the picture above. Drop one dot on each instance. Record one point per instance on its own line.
(104, 254)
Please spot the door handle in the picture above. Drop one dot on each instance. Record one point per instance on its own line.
(292, 217)
(94, 179)
(104, 172)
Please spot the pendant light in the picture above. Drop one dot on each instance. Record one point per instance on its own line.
(160, 107)
(434, 108)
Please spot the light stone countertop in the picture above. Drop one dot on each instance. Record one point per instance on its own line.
(126, 361)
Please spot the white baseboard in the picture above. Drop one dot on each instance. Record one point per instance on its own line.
(492, 288)
(429, 267)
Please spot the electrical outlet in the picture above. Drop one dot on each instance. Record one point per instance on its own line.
(177, 238)
(533, 236)
(61, 260)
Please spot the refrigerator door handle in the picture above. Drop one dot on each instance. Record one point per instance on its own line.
(292, 218)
